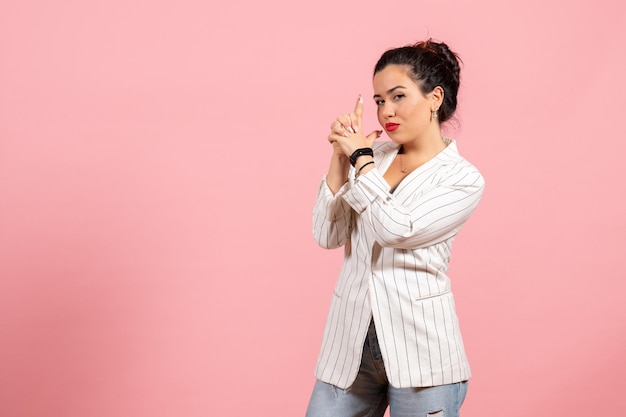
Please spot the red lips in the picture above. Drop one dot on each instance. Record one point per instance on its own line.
(391, 126)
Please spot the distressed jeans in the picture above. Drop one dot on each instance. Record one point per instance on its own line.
(371, 394)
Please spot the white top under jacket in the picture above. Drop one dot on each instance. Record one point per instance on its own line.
(397, 248)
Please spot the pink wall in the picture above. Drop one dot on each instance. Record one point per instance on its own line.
(158, 166)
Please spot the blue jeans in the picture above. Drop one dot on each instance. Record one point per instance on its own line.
(371, 394)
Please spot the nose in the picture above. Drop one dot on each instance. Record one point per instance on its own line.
(388, 110)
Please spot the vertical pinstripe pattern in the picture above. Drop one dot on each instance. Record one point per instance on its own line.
(397, 248)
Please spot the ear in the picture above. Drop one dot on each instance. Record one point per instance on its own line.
(436, 97)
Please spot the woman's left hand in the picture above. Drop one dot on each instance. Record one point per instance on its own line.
(346, 131)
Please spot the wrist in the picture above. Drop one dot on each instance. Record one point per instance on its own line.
(359, 153)
(364, 165)
(341, 160)
(361, 161)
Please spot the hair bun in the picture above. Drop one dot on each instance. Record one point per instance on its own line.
(449, 58)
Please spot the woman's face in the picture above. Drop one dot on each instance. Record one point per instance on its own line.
(403, 111)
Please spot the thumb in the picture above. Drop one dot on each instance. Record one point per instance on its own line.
(373, 136)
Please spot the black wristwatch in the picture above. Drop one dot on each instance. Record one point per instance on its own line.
(360, 152)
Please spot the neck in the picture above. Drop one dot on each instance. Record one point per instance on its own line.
(426, 145)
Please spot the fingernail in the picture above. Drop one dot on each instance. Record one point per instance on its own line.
(346, 134)
(350, 129)
(356, 129)
(360, 99)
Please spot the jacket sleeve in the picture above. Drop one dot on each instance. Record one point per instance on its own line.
(332, 217)
(431, 217)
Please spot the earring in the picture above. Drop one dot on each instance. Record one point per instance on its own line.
(433, 115)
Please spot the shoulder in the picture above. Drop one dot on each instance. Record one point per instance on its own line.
(452, 156)
(461, 173)
(455, 168)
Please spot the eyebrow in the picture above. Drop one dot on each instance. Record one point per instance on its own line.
(391, 90)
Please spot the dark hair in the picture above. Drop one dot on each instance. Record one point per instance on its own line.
(429, 64)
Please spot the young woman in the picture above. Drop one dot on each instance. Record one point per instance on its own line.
(392, 337)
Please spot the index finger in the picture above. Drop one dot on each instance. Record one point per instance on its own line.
(358, 111)
(358, 108)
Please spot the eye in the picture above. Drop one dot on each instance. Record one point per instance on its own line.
(379, 102)
(398, 97)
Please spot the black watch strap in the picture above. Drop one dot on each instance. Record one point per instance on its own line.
(360, 152)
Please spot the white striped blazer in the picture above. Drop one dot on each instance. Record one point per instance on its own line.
(396, 253)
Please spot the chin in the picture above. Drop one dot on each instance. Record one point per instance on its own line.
(396, 138)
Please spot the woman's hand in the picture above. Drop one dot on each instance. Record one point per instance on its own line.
(346, 135)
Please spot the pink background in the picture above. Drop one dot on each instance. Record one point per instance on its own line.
(158, 167)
